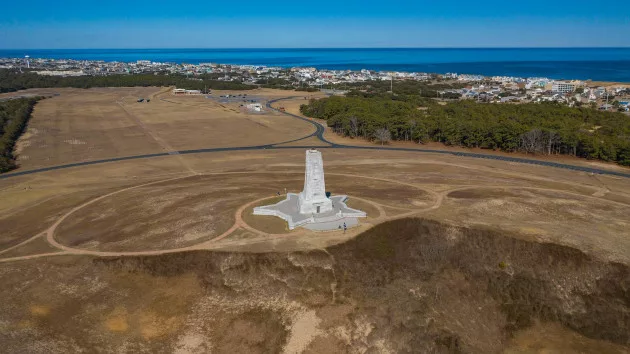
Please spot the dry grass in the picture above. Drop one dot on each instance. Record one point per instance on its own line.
(580, 221)
(267, 224)
(19, 224)
(166, 215)
(465, 278)
(406, 285)
(557, 339)
(369, 209)
(596, 225)
(385, 192)
(82, 125)
(37, 246)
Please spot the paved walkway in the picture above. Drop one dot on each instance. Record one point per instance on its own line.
(289, 210)
(333, 225)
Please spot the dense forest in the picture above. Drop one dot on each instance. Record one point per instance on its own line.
(534, 128)
(406, 87)
(12, 81)
(283, 84)
(14, 115)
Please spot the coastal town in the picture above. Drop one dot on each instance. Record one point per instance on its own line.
(491, 89)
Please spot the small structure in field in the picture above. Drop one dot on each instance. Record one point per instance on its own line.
(254, 107)
(313, 208)
(183, 92)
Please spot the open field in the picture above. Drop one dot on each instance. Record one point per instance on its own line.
(162, 254)
(83, 125)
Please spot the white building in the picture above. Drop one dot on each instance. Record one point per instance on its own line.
(563, 87)
(255, 107)
(178, 92)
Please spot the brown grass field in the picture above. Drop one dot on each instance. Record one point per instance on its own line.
(82, 125)
(163, 254)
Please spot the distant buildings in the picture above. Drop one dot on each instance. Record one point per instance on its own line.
(60, 73)
(563, 87)
(254, 107)
(475, 87)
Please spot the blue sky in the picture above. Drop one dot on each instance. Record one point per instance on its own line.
(324, 23)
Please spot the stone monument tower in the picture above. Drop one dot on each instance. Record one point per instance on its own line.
(311, 208)
(313, 198)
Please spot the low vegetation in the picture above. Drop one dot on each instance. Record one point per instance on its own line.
(418, 286)
(14, 115)
(533, 128)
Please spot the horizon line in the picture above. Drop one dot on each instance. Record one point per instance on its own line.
(317, 48)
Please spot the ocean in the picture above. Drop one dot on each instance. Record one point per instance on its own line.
(599, 64)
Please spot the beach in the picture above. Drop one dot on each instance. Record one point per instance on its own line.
(599, 64)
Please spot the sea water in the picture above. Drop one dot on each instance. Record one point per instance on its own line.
(600, 64)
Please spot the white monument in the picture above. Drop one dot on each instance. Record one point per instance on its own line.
(313, 198)
(312, 208)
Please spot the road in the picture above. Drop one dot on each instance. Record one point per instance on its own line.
(319, 134)
(49, 233)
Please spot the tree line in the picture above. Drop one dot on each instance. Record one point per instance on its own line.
(546, 128)
(14, 116)
(283, 84)
(406, 87)
(13, 81)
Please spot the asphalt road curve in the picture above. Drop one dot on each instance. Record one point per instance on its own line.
(319, 134)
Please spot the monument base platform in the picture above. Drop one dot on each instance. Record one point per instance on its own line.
(289, 210)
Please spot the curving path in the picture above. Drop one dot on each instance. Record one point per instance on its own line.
(207, 245)
(319, 134)
(239, 223)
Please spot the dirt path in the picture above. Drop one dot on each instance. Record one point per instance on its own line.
(218, 242)
(207, 245)
(21, 243)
